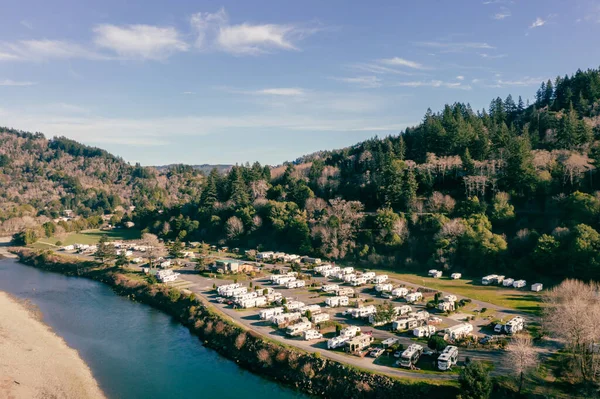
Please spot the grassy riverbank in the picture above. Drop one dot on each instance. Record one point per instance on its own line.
(307, 372)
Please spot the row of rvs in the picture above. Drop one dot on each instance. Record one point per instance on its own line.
(509, 282)
(348, 275)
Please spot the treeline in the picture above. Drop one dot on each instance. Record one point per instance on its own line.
(512, 188)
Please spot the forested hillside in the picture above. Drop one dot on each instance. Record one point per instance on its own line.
(510, 187)
(41, 178)
(514, 186)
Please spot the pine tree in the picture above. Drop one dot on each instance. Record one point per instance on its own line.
(468, 164)
(238, 191)
(209, 191)
(409, 192)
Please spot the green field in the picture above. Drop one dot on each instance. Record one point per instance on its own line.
(89, 237)
(522, 299)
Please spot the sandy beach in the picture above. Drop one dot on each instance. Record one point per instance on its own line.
(35, 362)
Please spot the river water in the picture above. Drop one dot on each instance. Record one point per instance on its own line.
(133, 350)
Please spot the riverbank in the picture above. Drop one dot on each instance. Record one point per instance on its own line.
(35, 362)
(306, 372)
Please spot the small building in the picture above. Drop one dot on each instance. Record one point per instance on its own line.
(537, 287)
(382, 278)
(363, 311)
(359, 343)
(228, 265)
(458, 331)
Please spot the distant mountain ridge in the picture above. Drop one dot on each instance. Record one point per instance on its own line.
(204, 168)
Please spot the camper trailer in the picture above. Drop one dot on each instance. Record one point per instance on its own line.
(295, 284)
(336, 301)
(284, 318)
(450, 298)
(368, 275)
(320, 317)
(384, 287)
(455, 276)
(405, 324)
(337, 342)
(266, 314)
(490, 279)
(458, 331)
(294, 305)
(348, 278)
(345, 291)
(313, 309)
(298, 328)
(519, 284)
(359, 343)
(402, 310)
(363, 311)
(347, 270)
(330, 288)
(350, 331)
(358, 281)
(424, 331)
(221, 289)
(410, 356)
(413, 297)
(508, 282)
(446, 306)
(448, 358)
(400, 292)
(382, 278)
(537, 287)
(321, 268)
(514, 325)
(309, 335)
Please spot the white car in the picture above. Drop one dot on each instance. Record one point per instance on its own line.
(376, 352)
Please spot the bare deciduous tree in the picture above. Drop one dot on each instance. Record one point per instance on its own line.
(234, 227)
(154, 248)
(521, 357)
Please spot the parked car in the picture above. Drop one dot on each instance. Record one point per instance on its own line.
(398, 354)
(376, 352)
(428, 352)
(221, 299)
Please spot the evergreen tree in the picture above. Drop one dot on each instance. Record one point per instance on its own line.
(409, 192)
(104, 250)
(238, 190)
(475, 381)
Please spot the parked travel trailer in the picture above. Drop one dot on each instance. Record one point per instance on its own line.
(448, 358)
(261, 256)
(345, 291)
(400, 292)
(508, 282)
(309, 335)
(337, 342)
(348, 278)
(382, 278)
(413, 297)
(424, 331)
(499, 280)
(519, 284)
(312, 261)
(514, 325)
(221, 289)
(446, 306)
(321, 268)
(358, 281)
(368, 275)
(537, 287)
(432, 272)
(450, 298)
(283, 280)
(490, 279)
(330, 288)
(320, 317)
(313, 309)
(347, 270)
(459, 331)
(410, 356)
(274, 297)
(296, 284)
(266, 314)
(336, 301)
(298, 328)
(350, 331)
(405, 324)
(284, 318)
(402, 310)
(166, 276)
(389, 342)
(384, 287)
(359, 343)
(294, 305)
(363, 311)
(455, 276)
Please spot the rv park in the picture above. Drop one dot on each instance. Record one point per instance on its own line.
(372, 319)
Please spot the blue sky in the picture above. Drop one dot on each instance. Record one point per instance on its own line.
(195, 82)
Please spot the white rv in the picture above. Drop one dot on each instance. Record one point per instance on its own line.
(348, 278)
(368, 275)
(309, 335)
(313, 309)
(294, 305)
(432, 272)
(295, 284)
(400, 292)
(284, 318)
(359, 281)
(519, 284)
(450, 298)
(508, 282)
(448, 358)
(336, 301)
(350, 331)
(321, 268)
(490, 279)
(514, 325)
(320, 317)
(384, 287)
(345, 291)
(446, 306)
(406, 324)
(402, 310)
(266, 314)
(413, 297)
(455, 276)
(537, 287)
(337, 342)
(459, 331)
(363, 311)
(382, 278)
(424, 331)
(330, 288)
(298, 328)
(347, 270)
(410, 356)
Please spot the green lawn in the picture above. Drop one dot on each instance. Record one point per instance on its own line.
(90, 237)
(520, 299)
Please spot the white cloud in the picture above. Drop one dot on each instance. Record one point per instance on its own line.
(537, 23)
(140, 41)
(455, 47)
(491, 56)
(434, 83)
(282, 91)
(215, 31)
(9, 82)
(505, 13)
(525, 81)
(188, 92)
(397, 61)
(42, 50)
(378, 69)
(26, 24)
(365, 82)
(460, 77)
